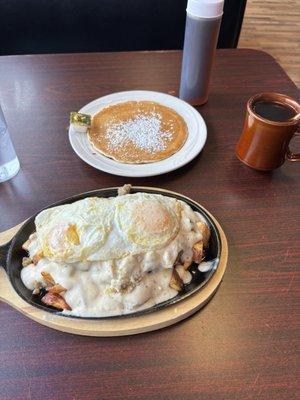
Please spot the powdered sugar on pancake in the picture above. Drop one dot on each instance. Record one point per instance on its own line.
(144, 131)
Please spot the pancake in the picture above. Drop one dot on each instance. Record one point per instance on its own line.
(137, 132)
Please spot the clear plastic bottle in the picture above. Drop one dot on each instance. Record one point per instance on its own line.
(9, 163)
(203, 22)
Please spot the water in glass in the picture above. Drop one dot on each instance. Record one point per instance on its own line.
(9, 163)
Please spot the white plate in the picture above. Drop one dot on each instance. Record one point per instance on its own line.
(196, 136)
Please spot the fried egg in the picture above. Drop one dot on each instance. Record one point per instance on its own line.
(72, 232)
(148, 221)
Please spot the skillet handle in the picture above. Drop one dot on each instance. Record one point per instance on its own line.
(6, 236)
(5, 239)
(3, 255)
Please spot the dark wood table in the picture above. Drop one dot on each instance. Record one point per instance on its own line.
(243, 344)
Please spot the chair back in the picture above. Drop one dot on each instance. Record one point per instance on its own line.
(66, 26)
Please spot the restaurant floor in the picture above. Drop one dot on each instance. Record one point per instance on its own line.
(274, 26)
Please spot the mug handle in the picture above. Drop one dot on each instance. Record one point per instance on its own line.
(290, 155)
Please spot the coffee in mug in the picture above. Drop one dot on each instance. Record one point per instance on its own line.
(272, 119)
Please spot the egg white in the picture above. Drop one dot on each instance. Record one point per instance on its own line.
(72, 232)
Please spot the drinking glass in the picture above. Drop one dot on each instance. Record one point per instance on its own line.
(9, 163)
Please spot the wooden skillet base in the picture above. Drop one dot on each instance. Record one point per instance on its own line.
(115, 327)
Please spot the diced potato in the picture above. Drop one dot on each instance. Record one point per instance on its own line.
(186, 264)
(180, 271)
(25, 245)
(124, 190)
(37, 257)
(26, 261)
(56, 289)
(205, 232)
(55, 300)
(197, 252)
(175, 281)
(47, 277)
(37, 288)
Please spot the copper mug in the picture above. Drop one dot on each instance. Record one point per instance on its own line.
(264, 144)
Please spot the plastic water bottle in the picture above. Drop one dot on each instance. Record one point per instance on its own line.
(203, 22)
(9, 163)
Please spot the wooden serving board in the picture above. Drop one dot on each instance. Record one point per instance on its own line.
(117, 326)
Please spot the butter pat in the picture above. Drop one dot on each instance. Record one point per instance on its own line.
(80, 122)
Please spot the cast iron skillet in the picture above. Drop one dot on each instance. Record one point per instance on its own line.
(12, 253)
